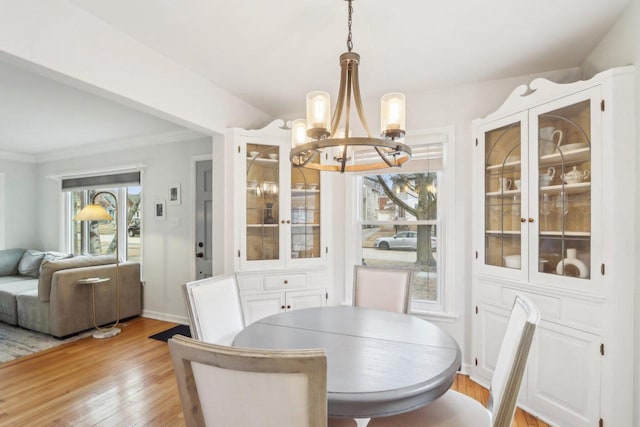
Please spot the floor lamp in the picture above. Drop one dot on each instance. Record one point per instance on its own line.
(95, 212)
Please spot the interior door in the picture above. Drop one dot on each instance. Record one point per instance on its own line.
(204, 219)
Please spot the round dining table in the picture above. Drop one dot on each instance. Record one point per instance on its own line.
(379, 363)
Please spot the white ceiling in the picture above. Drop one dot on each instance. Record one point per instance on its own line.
(39, 115)
(270, 53)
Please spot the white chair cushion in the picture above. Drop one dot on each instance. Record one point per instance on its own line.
(453, 409)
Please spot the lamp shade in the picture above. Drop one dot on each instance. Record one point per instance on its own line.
(93, 213)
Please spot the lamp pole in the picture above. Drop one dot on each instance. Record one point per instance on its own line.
(95, 212)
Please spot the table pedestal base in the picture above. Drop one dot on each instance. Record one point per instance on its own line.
(107, 334)
(362, 422)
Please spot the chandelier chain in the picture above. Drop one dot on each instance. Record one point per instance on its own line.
(349, 22)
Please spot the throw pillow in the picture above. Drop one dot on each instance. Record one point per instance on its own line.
(30, 263)
(9, 259)
(53, 256)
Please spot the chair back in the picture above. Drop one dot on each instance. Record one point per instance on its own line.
(512, 359)
(382, 288)
(214, 309)
(229, 386)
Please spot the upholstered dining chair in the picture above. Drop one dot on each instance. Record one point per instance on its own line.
(454, 409)
(237, 387)
(382, 288)
(214, 309)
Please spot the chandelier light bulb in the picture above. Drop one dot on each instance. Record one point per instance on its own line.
(318, 114)
(298, 132)
(392, 115)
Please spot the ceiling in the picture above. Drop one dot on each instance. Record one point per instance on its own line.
(272, 53)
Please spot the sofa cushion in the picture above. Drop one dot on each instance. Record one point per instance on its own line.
(9, 289)
(9, 260)
(30, 263)
(53, 256)
(48, 269)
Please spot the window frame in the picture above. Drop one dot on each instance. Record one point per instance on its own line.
(443, 308)
(68, 214)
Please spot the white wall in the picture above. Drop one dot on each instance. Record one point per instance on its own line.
(168, 249)
(621, 46)
(20, 208)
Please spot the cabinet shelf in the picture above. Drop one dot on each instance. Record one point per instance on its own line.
(299, 225)
(262, 225)
(567, 188)
(572, 235)
(573, 156)
(509, 166)
(502, 193)
(263, 162)
(509, 232)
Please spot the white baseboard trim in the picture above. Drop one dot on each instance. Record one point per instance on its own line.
(166, 317)
(465, 369)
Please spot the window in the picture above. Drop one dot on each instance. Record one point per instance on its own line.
(400, 216)
(99, 237)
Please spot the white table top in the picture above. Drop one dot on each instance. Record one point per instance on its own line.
(378, 363)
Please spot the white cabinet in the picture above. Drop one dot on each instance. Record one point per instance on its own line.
(263, 304)
(279, 209)
(555, 225)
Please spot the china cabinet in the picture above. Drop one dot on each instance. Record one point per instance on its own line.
(551, 223)
(279, 217)
(279, 207)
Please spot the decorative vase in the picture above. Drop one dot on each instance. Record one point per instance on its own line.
(268, 214)
(572, 260)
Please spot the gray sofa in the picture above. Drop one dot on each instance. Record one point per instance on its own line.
(41, 291)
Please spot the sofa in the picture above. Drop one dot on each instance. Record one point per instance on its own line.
(42, 291)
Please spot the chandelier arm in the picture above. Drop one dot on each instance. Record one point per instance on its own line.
(358, 100)
(308, 159)
(384, 158)
(337, 114)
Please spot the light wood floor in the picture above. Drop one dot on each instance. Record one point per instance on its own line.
(123, 381)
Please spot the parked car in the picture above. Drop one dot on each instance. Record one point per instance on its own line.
(401, 240)
(134, 227)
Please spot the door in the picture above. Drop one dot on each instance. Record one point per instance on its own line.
(204, 219)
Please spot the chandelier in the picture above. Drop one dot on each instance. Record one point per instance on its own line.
(345, 153)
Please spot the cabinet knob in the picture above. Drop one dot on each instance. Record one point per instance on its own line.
(288, 307)
(282, 307)
(286, 281)
(288, 221)
(282, 221)
(530, 219)
(523, 220)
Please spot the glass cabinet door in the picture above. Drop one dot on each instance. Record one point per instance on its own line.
(503, 186)
(305, 213)
(263, 202)
(564, 190)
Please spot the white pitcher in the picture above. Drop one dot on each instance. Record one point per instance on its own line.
(547, 140)
(546, 178)
(504, 184)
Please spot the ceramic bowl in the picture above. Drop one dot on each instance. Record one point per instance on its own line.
(312, 186)
(253, 154)
(273, 156)
(298, 185)
(512, 261)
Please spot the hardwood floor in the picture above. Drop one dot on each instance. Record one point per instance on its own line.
(123, 381)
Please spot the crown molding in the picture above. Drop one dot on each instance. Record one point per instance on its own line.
(119, 145)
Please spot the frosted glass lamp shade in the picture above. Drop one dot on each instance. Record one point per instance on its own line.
(298, 132)
(93, 213)
(392, 115)
(318, 114)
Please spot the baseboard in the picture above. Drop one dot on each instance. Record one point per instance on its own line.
(166, 317)
(465, 369)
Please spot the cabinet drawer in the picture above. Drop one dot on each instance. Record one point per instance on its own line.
(285, 281)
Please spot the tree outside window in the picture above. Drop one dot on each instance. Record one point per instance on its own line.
(399, 224)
